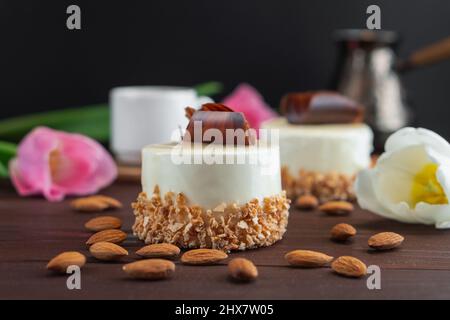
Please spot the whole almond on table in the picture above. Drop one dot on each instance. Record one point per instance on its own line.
(107, 251)
(95, 203)
(336, 207)
(307, 258)
(150, 269)
(111, 235)
(342, 232)
(203, 256)
(385, 240)
(306, 202)
(159, 250)
(349, 267)
(66, 259)
(103, 223)
(242, 269)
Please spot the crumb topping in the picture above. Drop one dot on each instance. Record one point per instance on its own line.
(325, 186)
(171, 219)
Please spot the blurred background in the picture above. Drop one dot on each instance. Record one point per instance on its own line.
(277, 46)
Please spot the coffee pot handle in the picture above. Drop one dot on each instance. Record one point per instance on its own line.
(433, 53)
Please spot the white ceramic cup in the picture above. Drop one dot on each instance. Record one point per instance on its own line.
(145, 115)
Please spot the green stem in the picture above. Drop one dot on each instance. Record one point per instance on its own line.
(7, 151)
(91, 120)
(210, 88)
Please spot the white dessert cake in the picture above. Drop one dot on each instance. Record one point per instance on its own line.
(321, 158)
(343, 148)
(234, 202)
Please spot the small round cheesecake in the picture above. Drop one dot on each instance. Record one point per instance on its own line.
(322, 159)
(211, 196)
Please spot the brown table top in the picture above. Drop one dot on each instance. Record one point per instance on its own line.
(32, 231)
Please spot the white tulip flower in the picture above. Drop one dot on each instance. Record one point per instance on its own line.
(411, 179)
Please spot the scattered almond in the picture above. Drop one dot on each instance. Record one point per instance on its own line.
(111, 235)
(150, 269)
(349, 267)
(88, 205)
(203, 256)
(61, 262)
(95, 203)
(307, 258)
(242, 269)
(385, 240)
(336, 207)
(103, 223)
(107, 251)
(342, 232)
(307, 202)
(159, 250)
(111, 202)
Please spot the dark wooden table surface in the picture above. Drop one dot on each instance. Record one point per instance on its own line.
(32, 231)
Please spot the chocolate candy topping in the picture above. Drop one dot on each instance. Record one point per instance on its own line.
(220, 117)
(208, 107)
(320, 107)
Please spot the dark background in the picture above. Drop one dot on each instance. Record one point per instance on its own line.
(277, 46)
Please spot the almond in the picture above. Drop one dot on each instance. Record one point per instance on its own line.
(107, 251)
(385, 240)
(111, 235)
(342, 232)
(349, 267)
(307, 202)
(307, 258)
(95, 203)
(111, 202)
(242, 269)
(88, 205)
(61, 262)
(336, 207)
(159, 250)
(103, 223)
(150, 269)
(203, 256)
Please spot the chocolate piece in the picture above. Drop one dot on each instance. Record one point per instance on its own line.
(215, 107)
(320, 107)
(189, 112)
(207, 107)
(204, 120)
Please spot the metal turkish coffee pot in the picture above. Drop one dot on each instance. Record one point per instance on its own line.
(368, 72)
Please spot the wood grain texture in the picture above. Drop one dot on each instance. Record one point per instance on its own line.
(32, 231)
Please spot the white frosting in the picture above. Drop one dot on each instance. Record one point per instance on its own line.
(209, 185)
(344, 148)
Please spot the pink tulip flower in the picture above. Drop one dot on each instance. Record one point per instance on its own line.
(248, 100)
(55, 164)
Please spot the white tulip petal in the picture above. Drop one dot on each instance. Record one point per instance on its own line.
(366, 195)
(387, 188)
(439, 215)
(443, 177)
(404, 213)
(443, 224)
(414, 136)
(396, 171)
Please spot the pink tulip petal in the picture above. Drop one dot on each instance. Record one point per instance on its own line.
(97, 168)
(248, 100)
(22, 187)
(56, 164)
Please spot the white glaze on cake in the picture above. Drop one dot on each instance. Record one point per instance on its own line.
(210, 185)
(343, 148)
